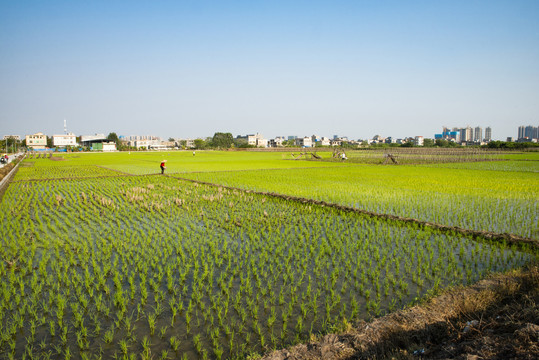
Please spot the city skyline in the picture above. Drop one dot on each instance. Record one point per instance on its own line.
(466, 134)
(278, 134)
(191, 69)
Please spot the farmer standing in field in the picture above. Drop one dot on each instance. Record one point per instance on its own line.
(163, 167)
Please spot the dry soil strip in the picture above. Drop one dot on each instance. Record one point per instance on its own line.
(508, 238)
(118, 171)
(74, 178)
(7, 179)
(425, 324)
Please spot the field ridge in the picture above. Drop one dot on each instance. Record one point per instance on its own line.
(489, 235)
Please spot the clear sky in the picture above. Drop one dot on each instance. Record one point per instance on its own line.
(191, 68)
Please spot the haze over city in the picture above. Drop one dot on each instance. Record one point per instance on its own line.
(191, 68)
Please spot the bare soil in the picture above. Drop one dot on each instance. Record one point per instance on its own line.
(6, 169)
(497, 318)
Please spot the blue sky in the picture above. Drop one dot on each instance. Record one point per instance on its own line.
(191, 68)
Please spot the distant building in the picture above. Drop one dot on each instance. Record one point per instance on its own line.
(418, 141)
(147, 144)
(306, 141)
(320, 141)
(521, 131)
(64, 140)
(254, 140)
(142, 137)
(376, 139)
(37, 141)
(528, 132)
(488, 134)
(94, 142)
(85, 138)
(478, 134)
(324, 141)
(97, 142)
(277, 142)
(466, 134)
(104, 146)
(14, 137)
(447, 134)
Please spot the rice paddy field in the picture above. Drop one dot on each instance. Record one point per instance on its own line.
(104, 258)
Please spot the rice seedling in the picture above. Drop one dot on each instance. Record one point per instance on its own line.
(105, 270)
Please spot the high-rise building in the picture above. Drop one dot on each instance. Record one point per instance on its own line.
(478, 134)
(462, 134)
(528, 132)
(488, 134)
(521, 130)
(466, 134)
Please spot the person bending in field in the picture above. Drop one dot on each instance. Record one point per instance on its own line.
(163, 167)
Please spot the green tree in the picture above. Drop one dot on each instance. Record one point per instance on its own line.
(428, 143)
(408, 144)
(10, 144)
(222, 140)
(445, 143)
(113, 137)
(200, 144)
(240, 142)
(289, 143)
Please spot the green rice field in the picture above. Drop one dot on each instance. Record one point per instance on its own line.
(105, 258)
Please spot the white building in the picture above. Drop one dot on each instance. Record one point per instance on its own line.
(64, 140)
(141, 137)
(466, 134)
(90, 138)
(418, 141)
(320, 140)
(277, 142)
(324, 141)
(144, 143)
(254, 140)
(36, 141)
(306, 141)
(14, 137)
(109, 146)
